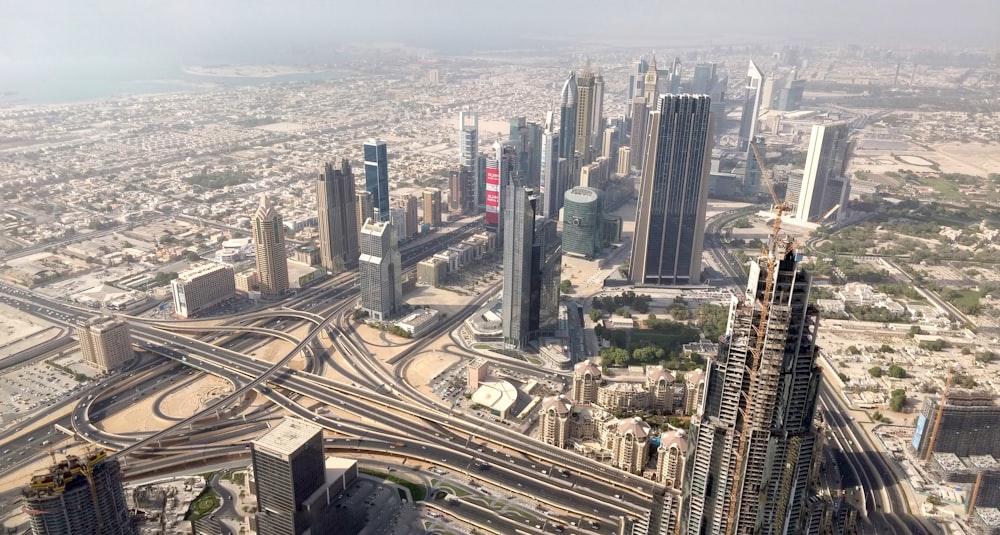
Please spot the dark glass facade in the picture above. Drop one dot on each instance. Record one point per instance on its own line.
(377, 177)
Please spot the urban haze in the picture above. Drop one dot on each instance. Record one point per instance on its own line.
(440, 267)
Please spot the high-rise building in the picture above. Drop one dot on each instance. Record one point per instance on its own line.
(568, 117)
(650, 86)
(432, 207)
(824, 181)
(411, 221)
(704, 78)
(380, 270)
(752, 444)
(288, 467)
(468, 138)
(550, 277)
(462, 191)
(555, 424)
(790, 95)
(338, 218)
(522, 265)
(752, 176)
(585, 102)
(269, 243)
(365, 209)
(500, 169)
(637, 135)
(582, 216)
(105, 342)
(377, 177)
(636, 83)
(597, 117)
(751, 106)
(550, 185)
(202, 287)
(78, 496)
(673, 196)
(624, 161)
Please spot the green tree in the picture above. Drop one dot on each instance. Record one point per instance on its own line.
(886, 348)
(595, 315)
(566, 286)
(853, 350)
(897, 372)
(875, 371)
(614, 356)
(897, 400)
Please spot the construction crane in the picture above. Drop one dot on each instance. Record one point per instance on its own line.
(937, 418)
(769, 255)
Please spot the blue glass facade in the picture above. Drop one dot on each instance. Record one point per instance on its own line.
(377, 177)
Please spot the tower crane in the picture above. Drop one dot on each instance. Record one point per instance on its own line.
(768, 253)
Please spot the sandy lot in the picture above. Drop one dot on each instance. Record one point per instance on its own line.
(137, 418)
(190, 399)
(425, 366)
(15, 324)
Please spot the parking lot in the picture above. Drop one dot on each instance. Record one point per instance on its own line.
(27, 388)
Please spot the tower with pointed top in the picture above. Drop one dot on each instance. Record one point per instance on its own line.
(567, 118)
(585, 101)
(269, 244)
(338, 223)
(751, 106)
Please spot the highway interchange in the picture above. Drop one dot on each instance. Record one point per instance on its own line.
(391, 420)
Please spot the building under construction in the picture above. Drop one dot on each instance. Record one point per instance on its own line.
(969, 426)
(81, 496)
(753, 444)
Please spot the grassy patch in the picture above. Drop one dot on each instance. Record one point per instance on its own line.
(536, 362)
(482, 346)
(419, 492)
(239, 478)
(204, 504)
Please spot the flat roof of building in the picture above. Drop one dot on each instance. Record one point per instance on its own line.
(287, 437)
(201, 269)
(497, 395)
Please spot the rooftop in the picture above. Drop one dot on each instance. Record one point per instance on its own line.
(287, 437)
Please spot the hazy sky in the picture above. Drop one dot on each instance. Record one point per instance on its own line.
(194, 31)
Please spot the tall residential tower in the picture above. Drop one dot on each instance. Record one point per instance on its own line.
(380, 270)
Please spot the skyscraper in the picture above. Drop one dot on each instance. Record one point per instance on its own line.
(673, 195)
(288, 466)
(338, 218)
(105, 343)
(432, 207)
(78, 496)
(379, 269)
(269, 242)
(636, 83)
(551, 186)
(522, 265)
(751, 106)
(752, 176)
(752, 446)
(637, 135)
(468, 138)
(585, 101)
(597, 117)
(824, 182)
(568, 118)
(462, 191)
(500, 168)
(377, 177)
(704, 78)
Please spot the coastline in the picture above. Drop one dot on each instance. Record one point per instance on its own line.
(251, 71)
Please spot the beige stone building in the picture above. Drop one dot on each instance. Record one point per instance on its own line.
(694, 384)
(628, 441)
(671, 457)
(105, 342)
(586, 380)
(202, 287)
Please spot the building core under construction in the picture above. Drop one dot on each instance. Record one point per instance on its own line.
(970, 425)
(753, 440)
(79, 495)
